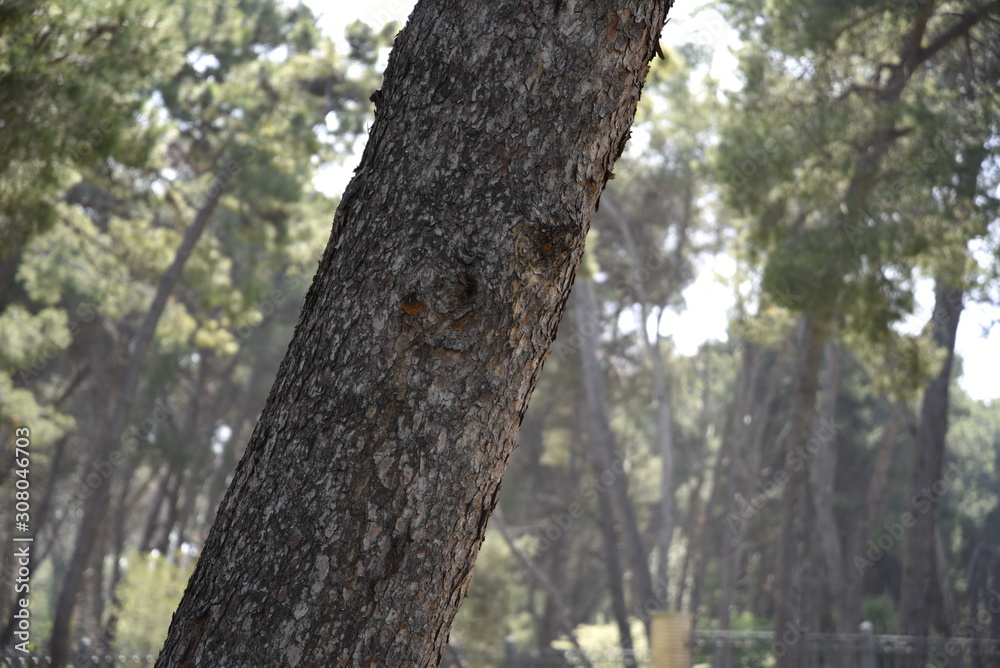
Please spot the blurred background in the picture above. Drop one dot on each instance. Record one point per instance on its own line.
(809, 198)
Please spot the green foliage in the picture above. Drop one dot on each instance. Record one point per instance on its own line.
(73, 78)
(881, 612)
(150, 592)
(488, 614)
(600, 639)
(848, 176)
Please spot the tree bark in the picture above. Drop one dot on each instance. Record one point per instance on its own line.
(918, 557)
(349, 532)
(822, 470)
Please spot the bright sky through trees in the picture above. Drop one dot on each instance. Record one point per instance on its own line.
(707, 299)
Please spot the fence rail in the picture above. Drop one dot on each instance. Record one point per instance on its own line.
(856, 650)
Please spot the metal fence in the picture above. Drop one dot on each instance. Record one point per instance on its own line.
(718, 649)
(757, 649)
(513, 657)
(121, 659)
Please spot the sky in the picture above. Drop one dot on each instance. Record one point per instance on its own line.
(708, 300)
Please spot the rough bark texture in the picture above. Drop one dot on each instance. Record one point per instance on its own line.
(915, 611)
(350, 529)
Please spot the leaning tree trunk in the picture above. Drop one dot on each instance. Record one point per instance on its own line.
(918, 558)
(349, 532)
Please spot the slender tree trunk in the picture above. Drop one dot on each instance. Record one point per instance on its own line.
(695, 509)
(607, 457)
(661, 391)
(951, 613)
(109, 631)
(854, 566)
(734, 541)
(153, 515)
(713, 525)
(788, 620)
(188, 507)
(733, 531)
(355, 517)
(915, 611)
(616, 580)
(812, 598)
(822, 468)
(173, 509)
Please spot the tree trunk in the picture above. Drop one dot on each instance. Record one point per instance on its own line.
(695, 510)
(918, 574)
(661, 390)
(854, 565)
(822, 469)
(153, 515)
(731, 536)
(734, 535)
(349, 532)
(172, 502)
(109, 631)
(788, 619)
(616, 580)
(607, 459)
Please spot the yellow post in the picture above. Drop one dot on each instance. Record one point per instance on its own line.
(671, 646)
